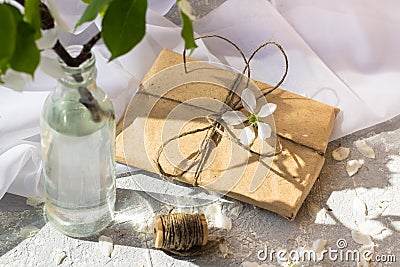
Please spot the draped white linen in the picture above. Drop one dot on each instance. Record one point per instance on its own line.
(343, 53)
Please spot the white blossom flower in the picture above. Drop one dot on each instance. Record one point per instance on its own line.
(186, 8)
(20, 81)
(60, 23)
(253, 119)
(48, 39)
(16, 80)
(50, 66)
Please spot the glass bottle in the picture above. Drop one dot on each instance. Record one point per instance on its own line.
(78, 147)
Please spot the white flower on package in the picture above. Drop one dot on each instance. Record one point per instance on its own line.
(254, 119)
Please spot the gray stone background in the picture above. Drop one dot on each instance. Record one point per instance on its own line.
(369, 202)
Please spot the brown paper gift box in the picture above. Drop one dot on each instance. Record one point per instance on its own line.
(303, 127)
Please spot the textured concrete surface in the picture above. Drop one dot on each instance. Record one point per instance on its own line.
(368, 202)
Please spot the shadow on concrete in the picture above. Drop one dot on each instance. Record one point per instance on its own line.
(18, 221)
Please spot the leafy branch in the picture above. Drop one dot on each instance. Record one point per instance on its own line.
(123, 27)
(19, 32)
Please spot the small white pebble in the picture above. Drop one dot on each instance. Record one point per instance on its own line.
(59, 256)
(106, 245)
(28, 231)
(34, 201)
(222, 221)
(235, 212)
(216, 218)
(361, 238)
(283, 261)
(223, 248)
(341, 153)
(367, 252)
(365, 149)
(319, 245)
(353, 166)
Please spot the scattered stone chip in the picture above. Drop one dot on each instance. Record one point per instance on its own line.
(34, 201)
(353, 166)
(223, 248)
(216, 218)
(106, 245)
(319, 245)
(367, 252)
(341, 153)
(361, 238)
(59, 256)
(28, 231)
(365, 149)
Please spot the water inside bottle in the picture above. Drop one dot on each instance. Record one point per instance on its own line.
(79, 170)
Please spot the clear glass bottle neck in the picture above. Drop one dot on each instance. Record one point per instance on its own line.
(82, 76)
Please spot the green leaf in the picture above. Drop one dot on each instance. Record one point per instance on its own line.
(124, 25)
(187, 32)
(32, 16)
(4, 65)
(102, 11)
(16, 13)
(26, 56)
(91, 11)
(8, 33)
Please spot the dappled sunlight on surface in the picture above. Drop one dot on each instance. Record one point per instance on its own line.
(338, 207)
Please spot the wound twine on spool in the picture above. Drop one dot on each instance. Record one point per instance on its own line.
(180, 231)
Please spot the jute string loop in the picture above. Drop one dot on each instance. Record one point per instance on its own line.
(217, 128)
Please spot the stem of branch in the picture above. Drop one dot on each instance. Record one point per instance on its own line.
(21, 2)
(83, 55)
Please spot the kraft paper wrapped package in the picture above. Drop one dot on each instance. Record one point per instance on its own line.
(173, 115)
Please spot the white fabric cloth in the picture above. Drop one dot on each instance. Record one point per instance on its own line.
(342, 53)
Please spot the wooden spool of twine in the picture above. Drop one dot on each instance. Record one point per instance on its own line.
(180, 231)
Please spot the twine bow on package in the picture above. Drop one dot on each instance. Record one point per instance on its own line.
(174, 126)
